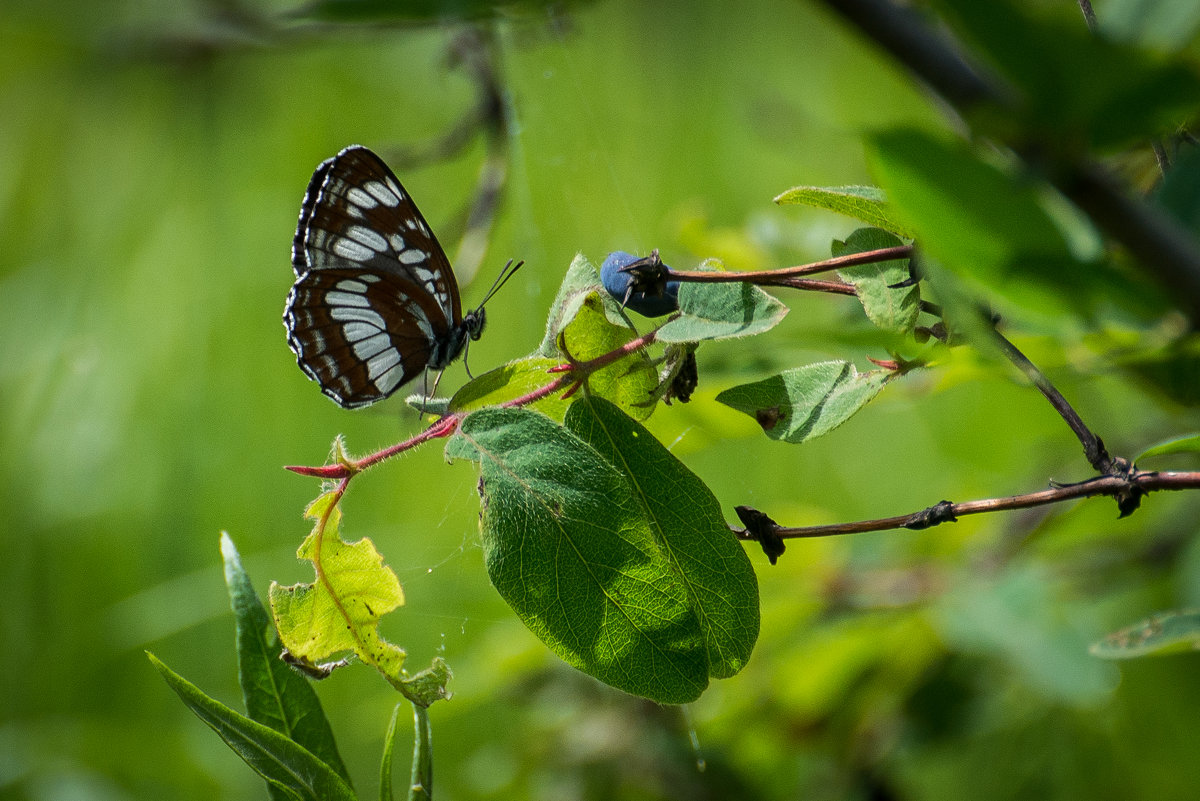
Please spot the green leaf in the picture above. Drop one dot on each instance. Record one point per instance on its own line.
(385, 766)
(985, 225)
(891, 309)
(686, 520)
(275, 694)
(1166, 633)
(1075, 88)
(581, 281)
(569, 548)
(420, 785)
(1158, 24)
(1179, 193)
(511, 381)
(1188, 443)
(866, 203)
(721, 311)
(804, 403)
(288, 766)
(340, 611)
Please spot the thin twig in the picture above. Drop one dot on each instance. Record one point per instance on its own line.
(1089, 16)
(1093, 447)
(946, 512)
(779, 277)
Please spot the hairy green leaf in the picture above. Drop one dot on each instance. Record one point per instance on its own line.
(275, 694)
(804, 403)
(289, 767)
(569, 548)
(866, 203)
(581, 281)
(686, 519)
(1165, 633)
(511, 381)
(721, 311)
(891, 308)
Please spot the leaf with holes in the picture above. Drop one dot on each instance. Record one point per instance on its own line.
(804, 403)
(569, 548)
(340, 611)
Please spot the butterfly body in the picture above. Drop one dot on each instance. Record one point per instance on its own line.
(375, 302)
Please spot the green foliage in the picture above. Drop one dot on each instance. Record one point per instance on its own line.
(1187, 443)
(866, 203)
(1165, 633)
(806, 402)
(289, 768)
(721, 311)
(274, 694)
(890, 307)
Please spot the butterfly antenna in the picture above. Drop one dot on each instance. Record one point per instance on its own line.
(510, 269)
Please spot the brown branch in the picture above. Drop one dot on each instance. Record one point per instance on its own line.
(780, 277)
(761, 528)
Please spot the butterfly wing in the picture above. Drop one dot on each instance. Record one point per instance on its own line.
(375, 301)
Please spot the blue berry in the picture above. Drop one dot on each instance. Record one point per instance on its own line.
(642, 288)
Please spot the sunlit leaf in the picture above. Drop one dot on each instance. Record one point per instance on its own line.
(288, 766)
(804, 403)
(865, 203)
(686, 519)
(1165, 633)
(726, 310)
(511, 381)
(569, 548)
(890, 307)
(340, 611)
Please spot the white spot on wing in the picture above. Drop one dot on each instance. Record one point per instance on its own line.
(355, 331)
(412, 256)
(345, 314)
(360, 198)
(397, 242)
(349, 249)
(384, 194)
(368, 348)
(372, 239)
(341, 300)
(381, 363)
(350, 285)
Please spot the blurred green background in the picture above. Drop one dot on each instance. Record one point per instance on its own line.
(152, 162)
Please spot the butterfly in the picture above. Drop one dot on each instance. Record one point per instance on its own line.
(375, 302)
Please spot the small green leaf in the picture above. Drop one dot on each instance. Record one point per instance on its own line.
(1165, 633)
(1188, 443)
(721, 311)
(804, 403)
(274, 694)
(288, 766)
(510, 381)
(892, 309)
(389, 746)
(569, 548)
(866, 203)
(339, 612)
(686, 519)
(420, 785)
(581, 281)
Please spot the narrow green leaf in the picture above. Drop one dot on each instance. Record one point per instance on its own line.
(721, 311)
(389, 746)
(285, 764)
(892, 309)
(1188, 443)
(1166, 633)
(804, 403)
(274, 694)
(510, 381)
(420, 786)
(686, 519)
(866, 203)
(569, 548)
(340, 611)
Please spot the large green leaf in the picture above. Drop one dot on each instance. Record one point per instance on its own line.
(890, 307)
(511, 381)
(866, 203)
(804, 403)
(686, 519)
(274, 693)
(569, 548)
(286, 765)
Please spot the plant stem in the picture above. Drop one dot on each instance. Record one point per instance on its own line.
(779, 277)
